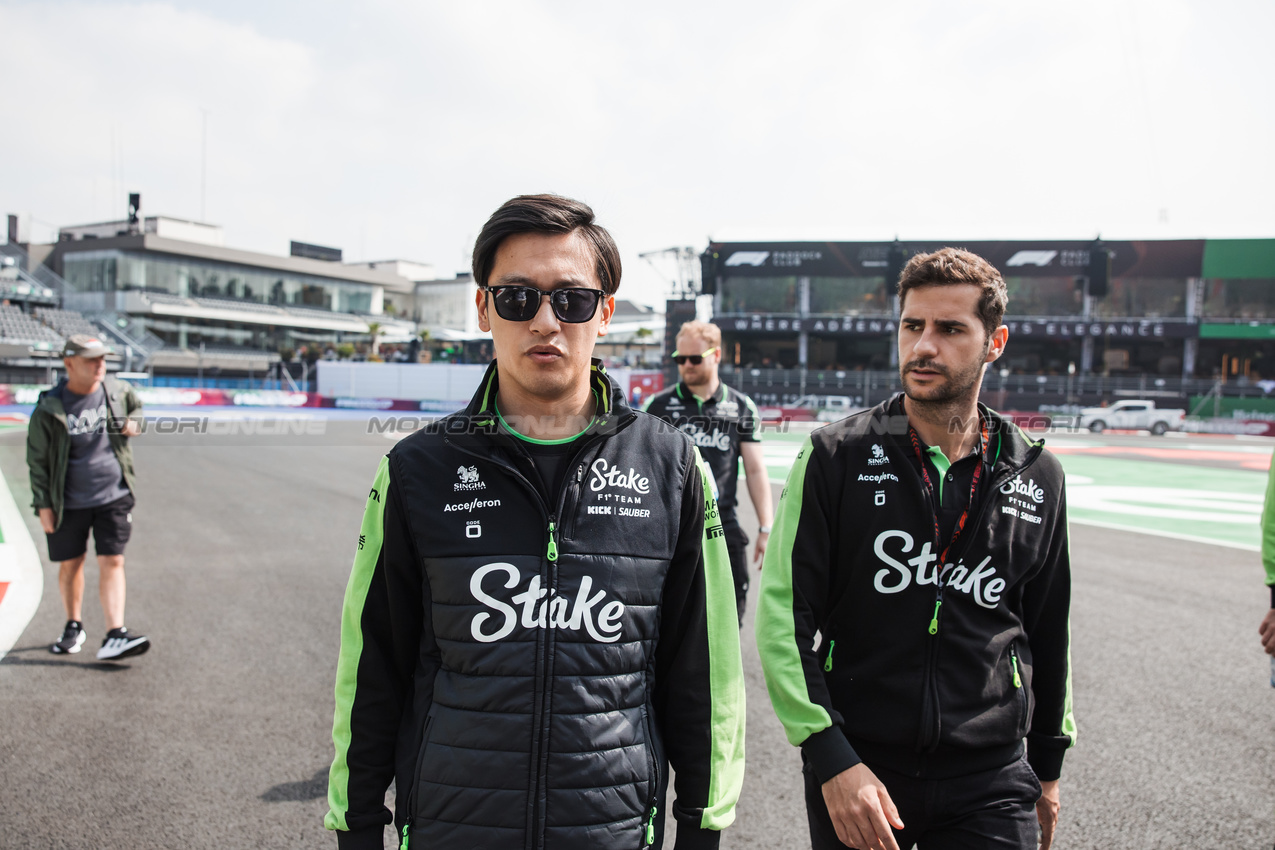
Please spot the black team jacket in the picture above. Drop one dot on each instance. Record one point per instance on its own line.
(925, 669)
(527, 671)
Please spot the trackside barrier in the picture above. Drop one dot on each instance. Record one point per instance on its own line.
(23, 394)
(443, 386)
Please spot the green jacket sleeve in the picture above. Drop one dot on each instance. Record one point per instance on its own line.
(38, 459)
(133, 404)
(699, 676)
(1047, 621)
(382, 622)
(790, 607)
(1268, 533)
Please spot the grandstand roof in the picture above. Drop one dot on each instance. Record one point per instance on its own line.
(250, 259)
(248, 312)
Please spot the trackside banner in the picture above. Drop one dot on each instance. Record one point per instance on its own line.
(22, 394)
(1043, 258)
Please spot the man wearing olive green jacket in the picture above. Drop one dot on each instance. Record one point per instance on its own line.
(82, 478)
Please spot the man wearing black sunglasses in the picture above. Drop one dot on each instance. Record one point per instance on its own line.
(537, 621)
(725, 425)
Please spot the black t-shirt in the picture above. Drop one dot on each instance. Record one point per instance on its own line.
(717, 426)
(551, 461)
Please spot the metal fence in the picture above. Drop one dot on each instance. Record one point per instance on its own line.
(780, 385)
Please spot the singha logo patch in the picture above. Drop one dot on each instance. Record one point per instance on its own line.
(469, 479)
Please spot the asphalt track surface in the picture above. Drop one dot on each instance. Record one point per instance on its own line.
(220, 736)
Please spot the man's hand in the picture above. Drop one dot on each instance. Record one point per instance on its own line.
(46, 520)
(759, 550)
(131, 428)
(758, 481)
(1267, 631)
(1047, 812)
(861, 809)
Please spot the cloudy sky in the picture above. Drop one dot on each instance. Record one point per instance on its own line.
(392, 128)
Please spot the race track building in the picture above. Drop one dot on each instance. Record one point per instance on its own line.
(1173, 310)
(172, 295)
(188, 289)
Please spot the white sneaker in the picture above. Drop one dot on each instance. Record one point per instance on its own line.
(121, 643)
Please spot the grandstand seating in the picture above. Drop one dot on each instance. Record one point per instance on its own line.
(17, 327)
(66, 322)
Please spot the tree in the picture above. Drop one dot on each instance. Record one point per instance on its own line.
(425, 349)
(641, 335)
(374, 330)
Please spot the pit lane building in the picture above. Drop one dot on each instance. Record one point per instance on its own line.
(1174, 311)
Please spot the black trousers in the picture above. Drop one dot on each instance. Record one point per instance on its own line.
(992, 809)
(737, 547)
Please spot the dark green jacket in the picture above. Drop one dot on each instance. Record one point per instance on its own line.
(49, 442)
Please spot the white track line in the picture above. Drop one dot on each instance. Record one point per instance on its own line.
(20, 567)
(1248, 547)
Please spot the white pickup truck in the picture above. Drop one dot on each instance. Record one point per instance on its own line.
(817, 408)
(1133, 416)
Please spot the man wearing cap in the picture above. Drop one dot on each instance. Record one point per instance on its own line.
(82, 478)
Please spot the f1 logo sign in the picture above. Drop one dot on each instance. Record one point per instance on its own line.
(747, 258)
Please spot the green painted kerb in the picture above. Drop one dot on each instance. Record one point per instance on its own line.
(347, 666)
(725, 668)
(1239, 258)
(1204, 405)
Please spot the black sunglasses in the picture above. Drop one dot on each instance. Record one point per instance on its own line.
(521, 303)
(695, 359)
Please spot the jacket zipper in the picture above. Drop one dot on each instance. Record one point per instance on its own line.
(931, 714)
(552, 551)
(654, 772)
(827, 665)
(1018, 686)
(569, 520)
(551, 557)
(416, 781)
(930, 697)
